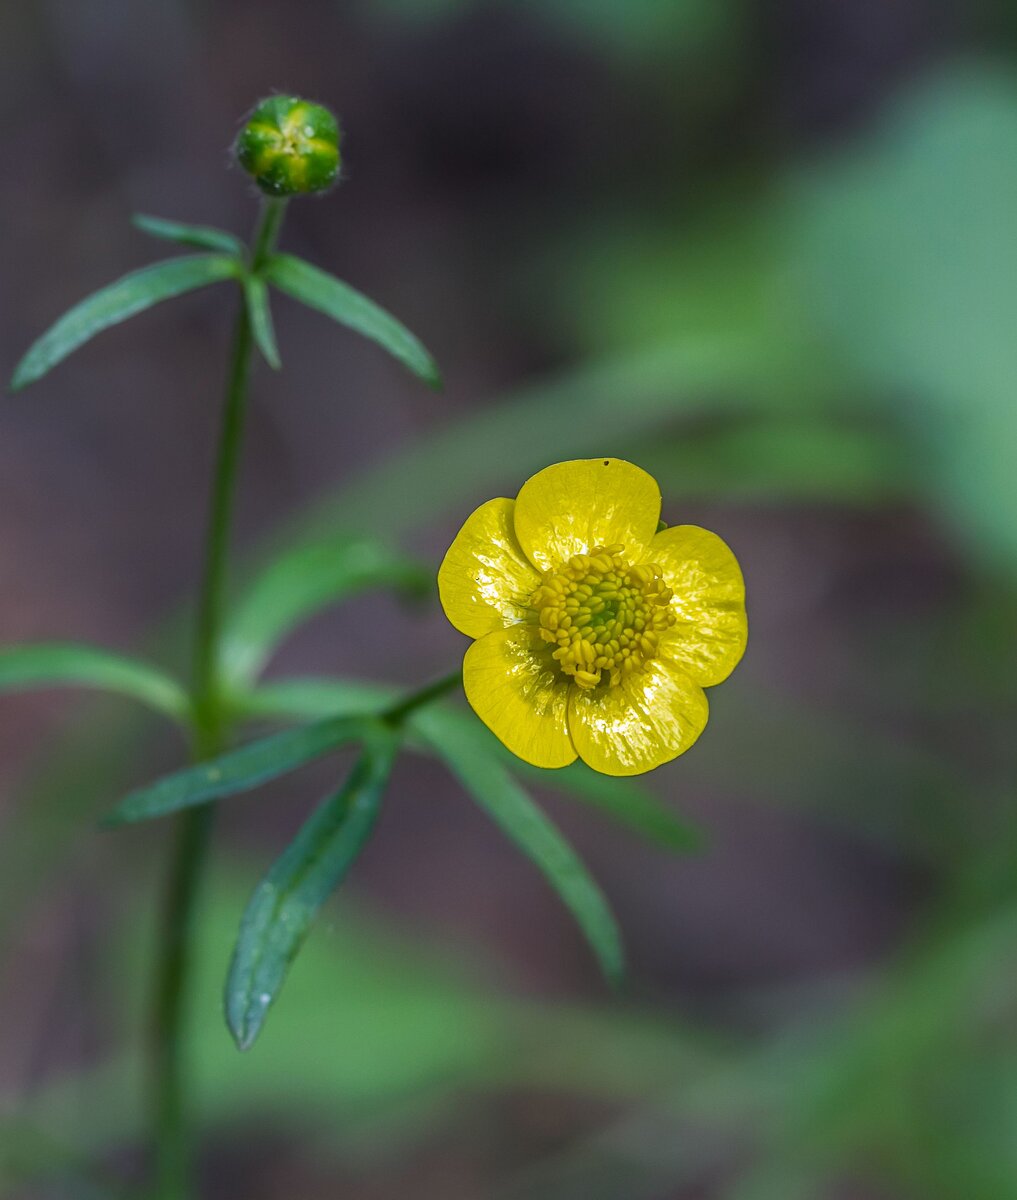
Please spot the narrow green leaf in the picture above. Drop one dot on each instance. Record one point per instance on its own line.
(317, 289)
(524, 823)
(298, 584)
(56, 664)
(204, 237)
(625, 801)
(314, 699)
(240, 770)
(129, 295)
(287, 900)
(260, 316)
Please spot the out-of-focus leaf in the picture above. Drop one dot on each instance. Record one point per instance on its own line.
(784, 460)
(287, 900)
(203, 237)
(317, 289)
(618, 283)
(240, 770)
(316, 698)
(129, 295)
(621, 400)
(909, 244)
(693, 30)
(525, 824)
(621, 799)
(407, 1025)
(260, 316)
(59, 664)
(298, 584)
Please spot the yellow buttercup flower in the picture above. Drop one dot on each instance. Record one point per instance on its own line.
(595, 630)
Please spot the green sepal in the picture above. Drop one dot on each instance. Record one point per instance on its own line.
(532, 831)
(130, 294)
(61, 664)
(260, 316)
(203, 237)
(286, 901)
(240, 770)
(319, 290)
(301, 582)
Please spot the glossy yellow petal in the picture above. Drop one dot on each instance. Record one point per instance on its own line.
(573, 506)
(649, 718)
(517, 691)
(485, 579)
(709, 602)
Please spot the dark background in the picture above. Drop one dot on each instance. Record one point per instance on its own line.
(767, 250)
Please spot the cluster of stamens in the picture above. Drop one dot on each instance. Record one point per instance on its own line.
(603, 616)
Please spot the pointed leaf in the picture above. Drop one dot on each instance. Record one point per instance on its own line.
(240, 770)
(56, 664)
(622, 799)
(314, 698)
(625, 801)
(287, 900)
(204, 237)
(260, 316)
(129, 295)
(317, 289)
(298, 584)
(524, 823)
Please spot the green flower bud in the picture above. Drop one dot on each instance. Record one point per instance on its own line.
(290, 146)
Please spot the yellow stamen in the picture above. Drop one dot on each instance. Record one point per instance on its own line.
(603, 616)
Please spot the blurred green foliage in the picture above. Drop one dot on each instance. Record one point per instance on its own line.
(841, 333)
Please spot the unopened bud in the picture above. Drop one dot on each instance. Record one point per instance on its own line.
(290, 146)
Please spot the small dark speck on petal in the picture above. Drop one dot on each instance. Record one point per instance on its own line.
(607, 462)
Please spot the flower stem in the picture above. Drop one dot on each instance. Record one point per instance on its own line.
(397, 714)
(210, 733)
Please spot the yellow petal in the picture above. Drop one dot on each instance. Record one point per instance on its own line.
(485, 579)
(573, 506)
(517, 691)
(649, 718)
(709, 602)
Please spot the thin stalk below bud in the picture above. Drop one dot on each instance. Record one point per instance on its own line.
(170, 1116)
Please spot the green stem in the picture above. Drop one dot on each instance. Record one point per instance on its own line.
(397, 714)
(210, 725)
(207, 701)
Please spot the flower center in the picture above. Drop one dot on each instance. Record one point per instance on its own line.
(603, 616)
(295, 137)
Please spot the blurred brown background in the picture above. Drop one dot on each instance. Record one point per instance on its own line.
(539, 191)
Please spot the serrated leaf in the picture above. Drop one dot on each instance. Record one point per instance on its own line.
(300, 583)
(131, 294)
(317, 289)
(204, 237)
(240, 770)
(286, 901)
(526, 824)
(55, 664)
(260, 316)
